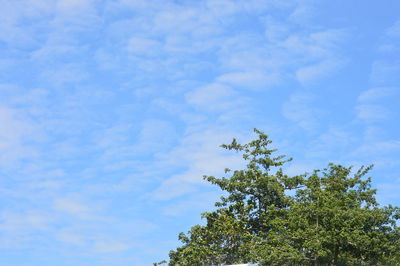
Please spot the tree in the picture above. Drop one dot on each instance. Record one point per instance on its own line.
(327, 217)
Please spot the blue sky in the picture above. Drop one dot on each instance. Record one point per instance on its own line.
(111, 112)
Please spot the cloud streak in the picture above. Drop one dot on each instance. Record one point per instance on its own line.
(112, 111)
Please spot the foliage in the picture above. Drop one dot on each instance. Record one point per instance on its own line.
(327, 217)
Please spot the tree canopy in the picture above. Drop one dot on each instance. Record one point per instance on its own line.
(326, 217)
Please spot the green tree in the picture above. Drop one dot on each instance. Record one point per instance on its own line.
(328, 217)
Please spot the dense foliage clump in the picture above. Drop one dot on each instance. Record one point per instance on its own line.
(327, 217)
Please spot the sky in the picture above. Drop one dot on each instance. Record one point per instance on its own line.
(111, 111)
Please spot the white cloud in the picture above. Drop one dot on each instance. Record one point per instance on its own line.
(175, 186)
(109, 246)
(244, 52)
(388, 192)
(308, 74)
(73, 6)
(15, 131)
(299, 109)
(72, 238)
(102, 236)
(223, 7)
(49, 52)
(394, 30)
(299, 168)
(315, 45)
(311, 55)
(124, 143)
(250, 79)
(379, 147)
(135, 98)
(156, 134)
(385, 72)
(332, 144)
(275, 30)
(301, 14)
(33, 219)
(12, 13)
(212, 97)
(375, 94)
(372, 112)
(198, 203)
(65, 74)
(143, 46)
(75, 208)
(186, 20)
(201, 154)
(22, 228)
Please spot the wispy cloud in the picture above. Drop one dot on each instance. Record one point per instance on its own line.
(212, 97)
(299, 109)
(376, 94)
(371, 112)
(308, 74)
(112, 111)
(16, 131)
(202, 156)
